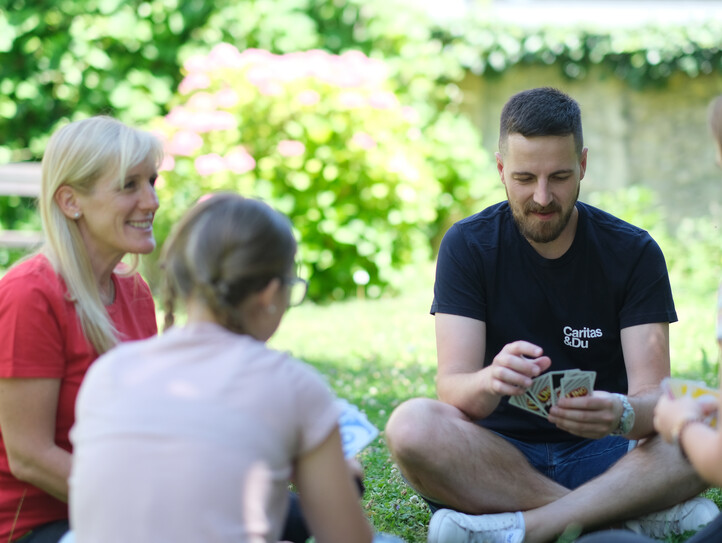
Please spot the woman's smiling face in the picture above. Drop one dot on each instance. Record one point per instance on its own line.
(117, 219)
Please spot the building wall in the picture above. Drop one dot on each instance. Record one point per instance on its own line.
(656, 137)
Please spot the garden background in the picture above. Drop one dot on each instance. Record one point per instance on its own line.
(372, 125)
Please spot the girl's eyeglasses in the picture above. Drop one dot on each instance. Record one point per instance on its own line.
(297, 289)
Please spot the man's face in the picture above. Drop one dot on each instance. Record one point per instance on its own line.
(541, 176)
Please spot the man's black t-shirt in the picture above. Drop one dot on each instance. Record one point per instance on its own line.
(613, 276)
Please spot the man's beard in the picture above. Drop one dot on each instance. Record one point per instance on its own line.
(541, 231)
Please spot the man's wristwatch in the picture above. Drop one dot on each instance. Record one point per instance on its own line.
(626, 421)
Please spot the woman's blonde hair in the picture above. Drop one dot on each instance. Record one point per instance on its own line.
(78, 155)
(224, 249)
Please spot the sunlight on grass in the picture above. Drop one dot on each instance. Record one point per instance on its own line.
(383, 333)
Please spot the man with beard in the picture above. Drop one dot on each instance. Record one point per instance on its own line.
(542, 283)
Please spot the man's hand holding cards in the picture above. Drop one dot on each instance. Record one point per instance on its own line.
(547, 388)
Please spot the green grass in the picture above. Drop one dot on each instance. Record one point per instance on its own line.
(378, 353)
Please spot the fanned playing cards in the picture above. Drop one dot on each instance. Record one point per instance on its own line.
(547, 388)
(356, 430)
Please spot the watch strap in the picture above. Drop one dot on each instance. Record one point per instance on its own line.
(626, 420)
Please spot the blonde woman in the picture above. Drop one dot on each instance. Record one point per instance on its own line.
(64, 306)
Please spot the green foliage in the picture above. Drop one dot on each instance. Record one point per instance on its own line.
(642, 57)
(16, 213)
(69, 59)
(325, 140)
(64, 59)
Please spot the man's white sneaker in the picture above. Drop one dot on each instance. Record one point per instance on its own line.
(689, 515)
(449, 526)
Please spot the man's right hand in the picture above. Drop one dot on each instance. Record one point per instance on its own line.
(512, 370)
(464, 382)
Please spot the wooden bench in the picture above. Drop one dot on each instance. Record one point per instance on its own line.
(20, 179)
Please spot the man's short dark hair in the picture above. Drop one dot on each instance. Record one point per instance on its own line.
(544, 111)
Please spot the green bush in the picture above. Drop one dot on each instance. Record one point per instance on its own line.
(324, 139)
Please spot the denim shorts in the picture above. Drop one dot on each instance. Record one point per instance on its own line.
(568, 463)
(573, 463)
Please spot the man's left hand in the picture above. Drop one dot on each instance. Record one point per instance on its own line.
(592, 417)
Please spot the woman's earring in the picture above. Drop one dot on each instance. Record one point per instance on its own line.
(76, 215)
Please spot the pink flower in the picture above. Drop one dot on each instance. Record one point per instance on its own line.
(194, 81)
(258, 74)
(202, 101)
(184, 143)
(168, 164)
(179, 116)
(409, 114)
(225, 55)
(351, 99)
(226, 98)
(210, 164)
(291, 66)
(347, 78)
(308, 97)
(208, 121)
(290, 148)
(268, 87)
(222, 120)
(372, 71)
(383, 100)
(196, 63)
(363, 140)
(319, 64)
(256, 56)
(239, 161)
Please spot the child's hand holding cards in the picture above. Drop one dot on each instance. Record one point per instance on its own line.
(698, 390)
(356, 430)
(547, 388)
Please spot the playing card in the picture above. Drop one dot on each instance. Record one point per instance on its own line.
(686, 387)
(542, 391)
(527, 402)
(548, 387)
(556, 377)
(577, 384)
(356, 430)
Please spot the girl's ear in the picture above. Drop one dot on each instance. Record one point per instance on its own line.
(67, 202)
(267, 297)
